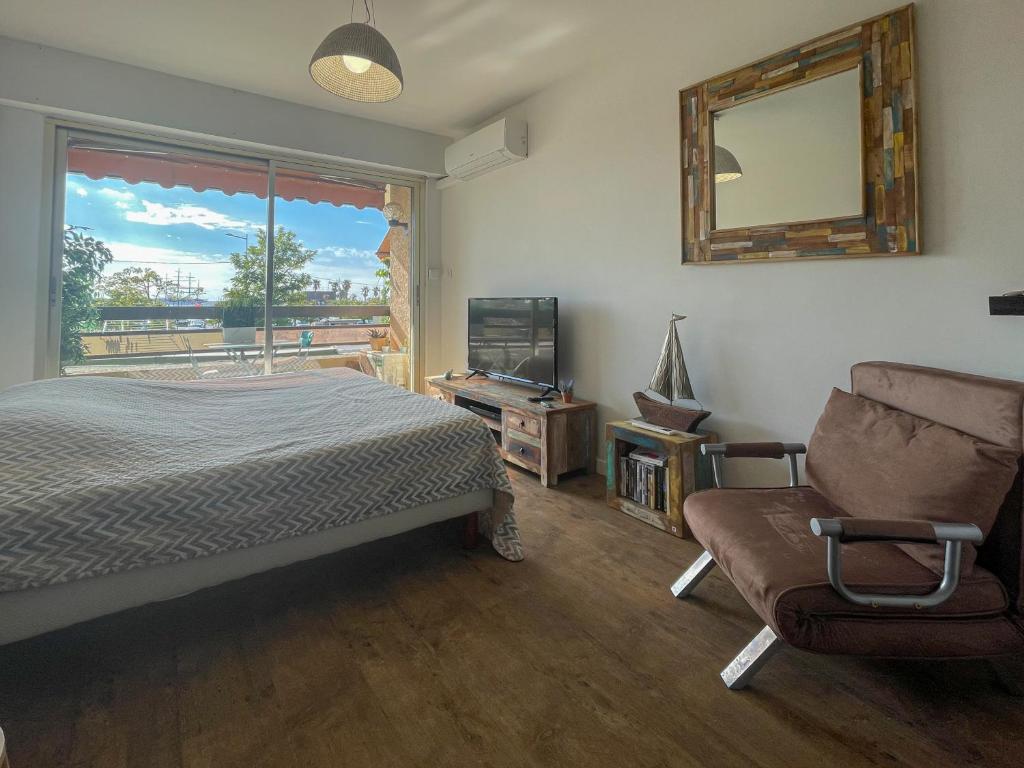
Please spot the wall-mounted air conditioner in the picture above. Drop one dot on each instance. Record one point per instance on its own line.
(499, 144)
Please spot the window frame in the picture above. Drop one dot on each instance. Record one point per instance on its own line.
(60, 132)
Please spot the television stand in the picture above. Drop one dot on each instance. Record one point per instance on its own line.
(545, 395)
(548, 441)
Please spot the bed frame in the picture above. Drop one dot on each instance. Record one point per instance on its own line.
(32, 612)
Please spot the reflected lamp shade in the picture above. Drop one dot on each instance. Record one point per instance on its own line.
(357, 62)
(727, 167)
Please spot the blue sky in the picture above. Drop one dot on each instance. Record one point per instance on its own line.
(145, 225)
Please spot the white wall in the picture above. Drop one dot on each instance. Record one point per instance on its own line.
(38, 81)
(62, 82)
(593, 218)
(21, 195)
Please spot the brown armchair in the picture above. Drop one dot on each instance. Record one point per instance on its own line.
(907, 540)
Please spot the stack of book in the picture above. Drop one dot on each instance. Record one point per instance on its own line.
(643, 477)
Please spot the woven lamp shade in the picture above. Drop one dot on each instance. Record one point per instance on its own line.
(727, 167)
(382, 81)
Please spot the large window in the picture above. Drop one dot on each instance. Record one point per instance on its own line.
(163, 255)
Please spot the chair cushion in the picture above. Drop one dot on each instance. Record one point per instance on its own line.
(870, 460)
(762, 539)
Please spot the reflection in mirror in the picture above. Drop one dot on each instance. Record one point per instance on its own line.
(791, 156)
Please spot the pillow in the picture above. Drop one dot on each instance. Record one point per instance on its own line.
(874, 461)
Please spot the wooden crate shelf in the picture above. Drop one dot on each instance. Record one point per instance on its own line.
(688, 471)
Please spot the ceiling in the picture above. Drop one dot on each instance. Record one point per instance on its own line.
(463, 60)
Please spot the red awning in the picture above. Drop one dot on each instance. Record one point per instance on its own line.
(203, 173)
(384, 251)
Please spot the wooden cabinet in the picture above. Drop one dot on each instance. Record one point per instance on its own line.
(547, 441)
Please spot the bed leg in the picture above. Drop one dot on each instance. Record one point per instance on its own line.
(471, 531)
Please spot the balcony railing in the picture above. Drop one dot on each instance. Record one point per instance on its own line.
(193, 312)
(138, 334)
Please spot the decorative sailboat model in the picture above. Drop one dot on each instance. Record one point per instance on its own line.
(672, 382)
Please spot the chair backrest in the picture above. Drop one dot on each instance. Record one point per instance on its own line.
(306, 339)
(988, 409)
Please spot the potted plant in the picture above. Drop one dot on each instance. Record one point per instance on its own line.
(566, 387)
(378, 339)
(240, 320)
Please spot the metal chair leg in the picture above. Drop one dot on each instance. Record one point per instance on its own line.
(686, 583)
(748, 663)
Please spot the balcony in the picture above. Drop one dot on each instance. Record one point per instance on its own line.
(188, 342)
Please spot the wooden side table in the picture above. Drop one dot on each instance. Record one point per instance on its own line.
(687, 470)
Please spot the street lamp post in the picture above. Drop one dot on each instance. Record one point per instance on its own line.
(240, 237)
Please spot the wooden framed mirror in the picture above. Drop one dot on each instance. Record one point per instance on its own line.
(810, 153)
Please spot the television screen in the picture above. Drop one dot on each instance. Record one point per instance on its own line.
(515, 338)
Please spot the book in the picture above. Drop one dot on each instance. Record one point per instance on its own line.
(652, 427)
(644, 482)
(649, 457)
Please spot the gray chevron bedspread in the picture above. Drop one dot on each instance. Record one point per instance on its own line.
(99, 475)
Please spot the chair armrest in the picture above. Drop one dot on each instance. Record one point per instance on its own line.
(717, 451)
(853, 529)
(753, 450)
(840, 530)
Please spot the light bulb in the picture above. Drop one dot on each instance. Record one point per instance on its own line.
(356, 64)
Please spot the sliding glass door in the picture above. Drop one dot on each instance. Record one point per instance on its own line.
(341, 273)
(161, 261)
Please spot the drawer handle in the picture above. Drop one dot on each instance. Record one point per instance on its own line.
(522, 450)
(522, 422)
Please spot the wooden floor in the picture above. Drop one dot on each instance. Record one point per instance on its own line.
(413, 652)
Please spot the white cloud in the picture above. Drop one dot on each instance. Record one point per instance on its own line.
(347, 255)
(117, 194)
(212, 276)
(78, 189)
(162, 215)
(123, 199)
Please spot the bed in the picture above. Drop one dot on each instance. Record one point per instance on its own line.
(115, 493)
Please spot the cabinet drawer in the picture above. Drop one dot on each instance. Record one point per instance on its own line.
(522, 452)
(439, 394)
(521, 422)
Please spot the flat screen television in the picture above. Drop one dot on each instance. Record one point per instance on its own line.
(515, 338)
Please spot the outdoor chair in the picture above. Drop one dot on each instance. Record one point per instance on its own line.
(905, 543)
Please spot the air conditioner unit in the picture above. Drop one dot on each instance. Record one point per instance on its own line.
(497, 145)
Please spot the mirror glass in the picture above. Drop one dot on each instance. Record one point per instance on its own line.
(791, 156)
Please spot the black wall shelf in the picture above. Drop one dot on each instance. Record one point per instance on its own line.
(1006, 305)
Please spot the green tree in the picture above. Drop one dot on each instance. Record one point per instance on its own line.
(290, 281)
(132, 287)
(384, 273)
(83, 260)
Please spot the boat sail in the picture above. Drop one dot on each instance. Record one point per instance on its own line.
(672, 381)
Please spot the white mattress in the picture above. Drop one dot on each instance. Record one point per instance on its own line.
(30, 612)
